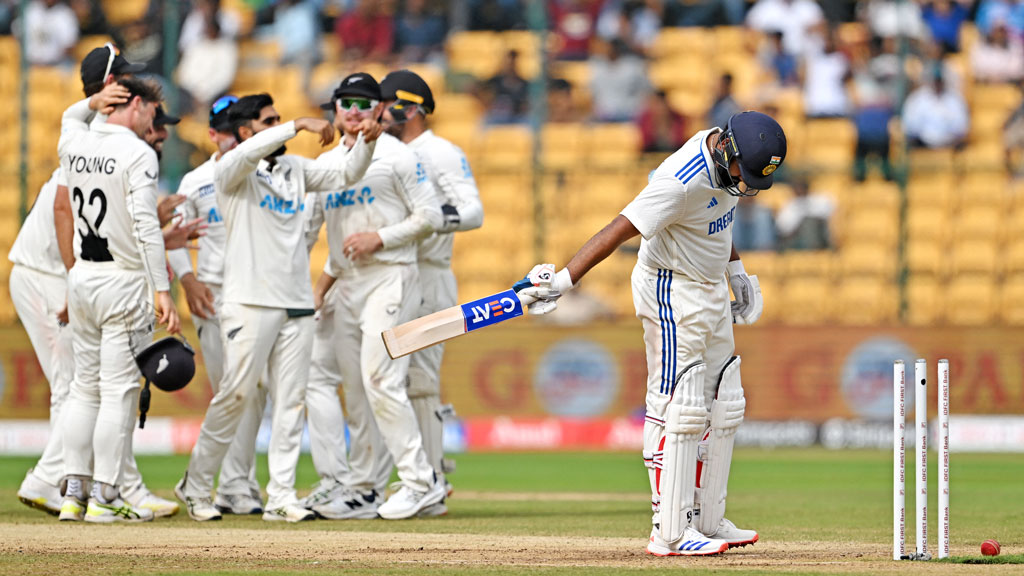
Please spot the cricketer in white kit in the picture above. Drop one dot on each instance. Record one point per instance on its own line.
(695, 400)
(372, 232)
(267, 313)
(119, 260)
(409, 99)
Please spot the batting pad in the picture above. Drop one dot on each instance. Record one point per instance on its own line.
(684, 424)
(726, 416)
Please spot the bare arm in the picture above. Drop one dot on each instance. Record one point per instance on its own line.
(323, 284)
(734, 255)
(64, 220)
(600, 246)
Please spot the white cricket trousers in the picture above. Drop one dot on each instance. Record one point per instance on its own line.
(38, 297)
(238, 472)
(439, 292)
(372, 299)
(684, 321)
(257, 338)
(111, 316)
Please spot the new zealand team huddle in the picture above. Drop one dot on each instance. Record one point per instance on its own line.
(93, 253)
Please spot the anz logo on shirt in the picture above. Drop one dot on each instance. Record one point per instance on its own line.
(350, 197)
(720, 224)
(280, 205)
(421, 174)
(212, 217)
(206, 190)
(465, 168)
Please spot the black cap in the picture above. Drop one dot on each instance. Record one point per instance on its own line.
(219, 120)
(163, 118)
(359, 84)
(759, 146)
(169, 363)
(407, 86)
(95, 64)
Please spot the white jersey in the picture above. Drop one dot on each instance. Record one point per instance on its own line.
(36, 244)
(684, 218)
(266, 262)
(449, 172)
(201, 202)
(395, 199)
(112, 177)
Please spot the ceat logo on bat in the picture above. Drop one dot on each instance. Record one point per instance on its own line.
(491, 310)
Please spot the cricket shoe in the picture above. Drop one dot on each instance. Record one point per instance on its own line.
(407, 502)
(434, 510)
(72, 508)
(289, 513)
(160, 507)
(693, 543)
(37, 494)
(117, 510)
(326, 490)
(199, 509)
(736, 537)
(240, 504)
(350, 505)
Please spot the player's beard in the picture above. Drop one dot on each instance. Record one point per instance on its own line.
(394, 129)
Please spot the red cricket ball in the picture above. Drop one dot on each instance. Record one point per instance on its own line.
(990, 548)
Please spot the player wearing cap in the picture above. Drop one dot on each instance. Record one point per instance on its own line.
(267, 312)
(372, 231)
(408, 99)
(238, 491)
(119, 261)
(685, 216)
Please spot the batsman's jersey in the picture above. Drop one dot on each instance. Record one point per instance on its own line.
(685, 221)
(265, 258)
(36, 244)
(394, 198)
(112, 176)
(201, 202)
(452, 178)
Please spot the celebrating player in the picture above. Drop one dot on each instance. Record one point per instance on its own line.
(267, 314)
(681, 296)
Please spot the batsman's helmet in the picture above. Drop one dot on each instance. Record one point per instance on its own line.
(758, 144)
(169, 364)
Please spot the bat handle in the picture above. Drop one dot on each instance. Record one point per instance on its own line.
(524, 283)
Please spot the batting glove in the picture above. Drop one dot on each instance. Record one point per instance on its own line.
(546, 287)
(748, 305)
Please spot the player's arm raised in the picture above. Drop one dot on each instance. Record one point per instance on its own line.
(327, 174)
(236, 164)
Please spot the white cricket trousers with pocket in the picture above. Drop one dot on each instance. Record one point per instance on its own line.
(371, 299)
(111, 315)
(684, 321)
(37, 298)
(238, 472)
(257, 338)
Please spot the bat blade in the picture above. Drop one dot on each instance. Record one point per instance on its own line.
(451, 322)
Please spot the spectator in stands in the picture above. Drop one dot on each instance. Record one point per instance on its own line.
(92, 20)
(798, 20)
(893, 18)
(144, 44)
(944, 18)
(662, 128)
(803, 222)
(618, 84)
(367, 31)
(49, 30)
(1013, 138)
(561, 107)
(874, 78)
(774, 57)
(7, 12)
(705, 12)
(935, 116)
(753, 227)
(419, 33)
(1011, 12)
(998, 57)
(825, 73)
(498, 15)
(194, 29)
(635, 22)
(207, 67)
(296, 29)
(574, 23)
(724, 105)
(506, 95)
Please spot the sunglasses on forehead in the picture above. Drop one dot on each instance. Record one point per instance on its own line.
(360, 103)
(222, 104)
(110, 59)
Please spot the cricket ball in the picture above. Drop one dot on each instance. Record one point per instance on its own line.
(990, 548)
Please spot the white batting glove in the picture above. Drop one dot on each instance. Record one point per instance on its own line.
(546, 288)
(748, 305)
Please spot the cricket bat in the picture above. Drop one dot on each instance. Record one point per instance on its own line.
(455, 321)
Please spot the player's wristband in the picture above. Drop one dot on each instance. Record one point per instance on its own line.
(562, 282)
(735, 268)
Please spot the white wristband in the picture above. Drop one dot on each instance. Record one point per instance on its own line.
(562, 281)
(735, 268)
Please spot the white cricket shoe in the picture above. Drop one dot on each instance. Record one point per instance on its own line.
(326, 489)
(72, 509)
(736, 537)
(289, 513)
(116, 510)
(350, 505)
(37, 494)
(407, 502)
(160, 507)
(434, 510)
(199, 509)
(692, 543)
(240, 504)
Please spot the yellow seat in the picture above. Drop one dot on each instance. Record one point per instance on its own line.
(462, 134)
(971, 301)
(682, 71)
(802, 264)
(1011, 301)
(832, 131)
(981, 156)
(613, 146)
(926, 222)
(671, 42)
(478, 53)
(978, 223)
(763, 264)
(926, 256)
(866, 301)
(931, 190)
(925, 301)
(805, 301)
(459, 108)
(986, 188)
(770, 294)
(975, 257)
(875, 260)
(930, 160)
(876, 195)
(879, 226)
(1012, 257)
(995, 96)
(506, 148)
(562, 146)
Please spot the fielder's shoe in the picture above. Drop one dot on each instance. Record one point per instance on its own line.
(116, 510)
(407, 502)
(160, 507)
(240, 504)
(434, 510)
(37, 494)
(350, 505)
(199, 509)
(72, 509)
(692, 543)
(289, 513)
(326, 489)
(736, 537)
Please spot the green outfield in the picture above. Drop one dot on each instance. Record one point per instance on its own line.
(818, 512)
